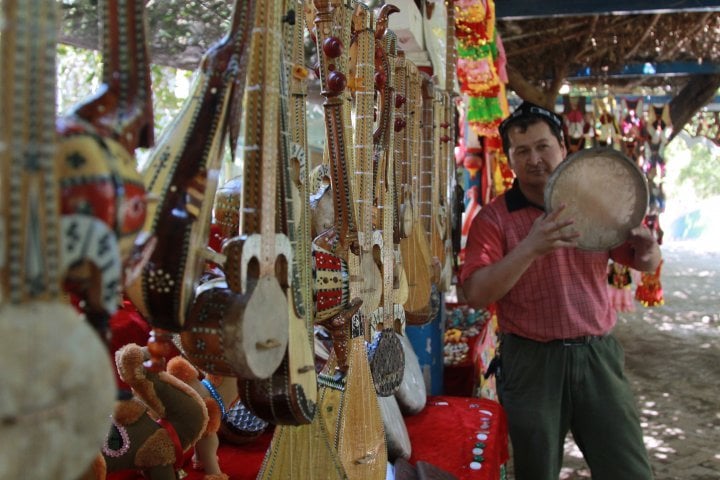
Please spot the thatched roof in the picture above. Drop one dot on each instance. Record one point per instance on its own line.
(543, 53)
(544, 49)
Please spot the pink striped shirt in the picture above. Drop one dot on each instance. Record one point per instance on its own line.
(563, 294)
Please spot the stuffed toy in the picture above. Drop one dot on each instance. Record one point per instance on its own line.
(205, 456)
(152, 431)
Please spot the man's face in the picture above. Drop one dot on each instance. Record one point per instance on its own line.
(534, 153)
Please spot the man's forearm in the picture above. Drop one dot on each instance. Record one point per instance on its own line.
(489, 284)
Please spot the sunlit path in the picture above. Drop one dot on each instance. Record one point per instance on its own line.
(673, 361)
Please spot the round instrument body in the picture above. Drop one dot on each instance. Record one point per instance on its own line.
(231, 334)
(385, 356)
(604, 192)
(58, 391)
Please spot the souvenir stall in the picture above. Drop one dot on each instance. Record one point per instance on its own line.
(271, 324)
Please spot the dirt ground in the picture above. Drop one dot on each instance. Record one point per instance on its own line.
(673, 362)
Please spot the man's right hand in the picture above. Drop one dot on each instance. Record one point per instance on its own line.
(549, 232)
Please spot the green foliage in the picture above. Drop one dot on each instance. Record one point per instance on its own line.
(702, 171)
(80, 74)
(179, 30)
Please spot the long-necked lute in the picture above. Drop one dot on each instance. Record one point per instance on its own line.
(302, 450)
(245, 314)
(441, 241)
(58, 385)
(103, 196)
(347, 392)
(289, 395)
(182, 173)
(415, 249)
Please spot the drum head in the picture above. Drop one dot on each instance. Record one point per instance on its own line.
(604, 191)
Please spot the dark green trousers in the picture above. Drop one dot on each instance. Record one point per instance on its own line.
(548, 389)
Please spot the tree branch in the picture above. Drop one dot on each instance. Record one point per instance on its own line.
(697, 93)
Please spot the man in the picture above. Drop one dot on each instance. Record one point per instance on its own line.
(560, 367)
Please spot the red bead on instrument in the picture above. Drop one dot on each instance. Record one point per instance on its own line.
(399, 124)
(332, 47)
(399, 101)
(445, 139)
(336, 82)
(380, 79)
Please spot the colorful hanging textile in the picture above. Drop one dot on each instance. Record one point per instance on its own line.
(481, 64)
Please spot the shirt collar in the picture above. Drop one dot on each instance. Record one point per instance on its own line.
(516, 200)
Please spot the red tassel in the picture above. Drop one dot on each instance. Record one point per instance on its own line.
(650, 292)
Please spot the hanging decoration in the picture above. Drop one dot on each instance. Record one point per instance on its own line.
(481, 65)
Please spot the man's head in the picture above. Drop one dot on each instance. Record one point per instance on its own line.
(525, 115)
(532, 139)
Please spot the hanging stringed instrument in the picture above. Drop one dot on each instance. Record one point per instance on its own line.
(331, 248)
(103, 196)
(415, 249)
(441, 241)
(347, 393)
(303, 451)
(389, 320)
(289, 395)
(240, 323)
(427, 166)
(368, 282)
(62, 389)
(182, 173)
(384, 350)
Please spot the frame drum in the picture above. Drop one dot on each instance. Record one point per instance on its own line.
(604, 191)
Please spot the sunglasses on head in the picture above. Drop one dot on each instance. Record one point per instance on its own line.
(527, 109)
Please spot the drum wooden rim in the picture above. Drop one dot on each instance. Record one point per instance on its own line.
(604, 191)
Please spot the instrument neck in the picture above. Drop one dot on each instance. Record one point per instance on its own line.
(332, 44)
(123, 109)
(362, 55)
(262, 135)
(29, 197)
(450, 51)
(427, 155)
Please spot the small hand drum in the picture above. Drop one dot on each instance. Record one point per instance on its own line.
(604, 192)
